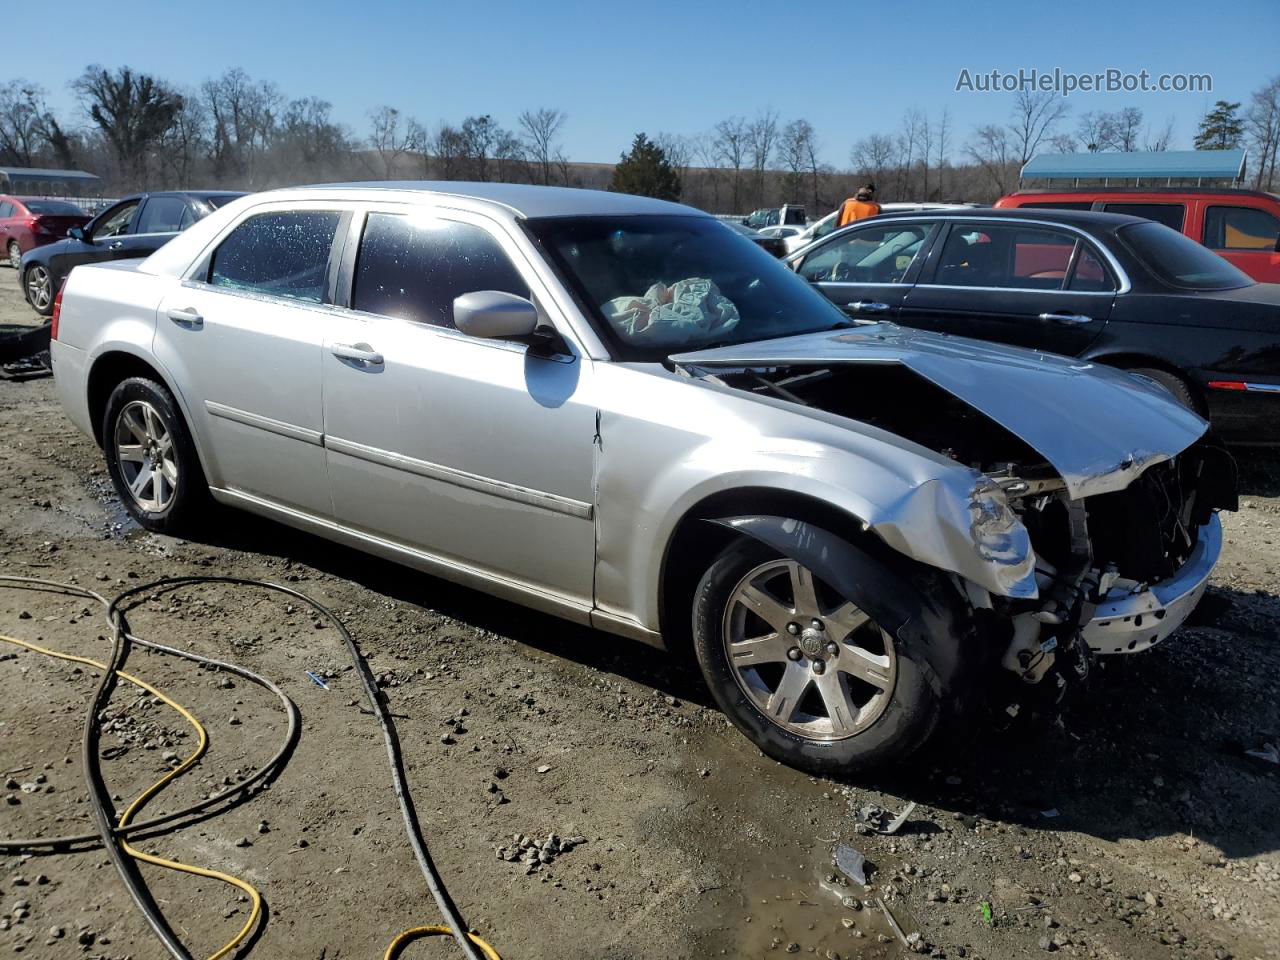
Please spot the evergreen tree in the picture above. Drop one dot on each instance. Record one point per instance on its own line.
(1220, 129)
(645, 171)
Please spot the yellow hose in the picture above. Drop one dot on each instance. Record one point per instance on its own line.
(254, 897)
(402, 940)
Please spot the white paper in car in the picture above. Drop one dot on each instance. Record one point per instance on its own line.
(687, 310)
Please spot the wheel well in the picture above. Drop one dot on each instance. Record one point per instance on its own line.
(696, 543)
(1131, 361)
(108, 371)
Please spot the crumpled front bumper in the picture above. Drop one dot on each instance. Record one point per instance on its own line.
(1131, 622)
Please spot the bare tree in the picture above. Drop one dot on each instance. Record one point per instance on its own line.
(22, 128)
(1262, 124)
(308, 138)
(391, 136)
(679, 151)
(1123, 129)
(448, 152)
(134, 111)
(762, 132)
(1091, 131)
(795, 153)
(180, 148)
(489, 151)
(538, 129)
(873, 156)
(242, 121)
(991, 149)
(730, 151)
(1158, 140)
(1036, 115)
(944, 147)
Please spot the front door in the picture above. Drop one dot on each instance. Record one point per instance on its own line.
(866, 271)
(477, 452)
(243, 338)
(1029, 286)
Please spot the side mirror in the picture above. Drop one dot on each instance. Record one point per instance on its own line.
(492, 314)
(76, 233)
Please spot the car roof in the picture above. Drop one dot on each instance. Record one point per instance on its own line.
(524, 200)
(1172, 191)
(1078, 218)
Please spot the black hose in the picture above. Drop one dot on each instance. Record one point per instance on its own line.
(136, 828)
(109, 835)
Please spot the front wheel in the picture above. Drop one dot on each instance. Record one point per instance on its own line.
(811, 678)
(38, 286)
(152, 459)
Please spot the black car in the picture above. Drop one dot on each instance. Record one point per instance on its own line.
(1108, 288)
(137, 226)
(775, 246)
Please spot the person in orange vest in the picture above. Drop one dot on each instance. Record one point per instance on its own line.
(858, 207)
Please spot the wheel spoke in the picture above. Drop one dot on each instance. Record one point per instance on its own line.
(152, 423)
(142, 481)
(751, 653)
(169, 470)
(130, 452)
(786, 698)
(869, 667)
(765, 607)
(803, 589)
(840, 709)
(133, 423)
(847, 618)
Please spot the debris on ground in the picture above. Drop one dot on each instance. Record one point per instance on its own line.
(851, 863)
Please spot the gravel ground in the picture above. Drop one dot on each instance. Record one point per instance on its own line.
(1140, 828)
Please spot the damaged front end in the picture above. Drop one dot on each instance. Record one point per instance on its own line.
(1089, 500)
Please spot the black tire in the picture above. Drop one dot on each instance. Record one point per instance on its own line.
(45, 306)
(934, 672)
(188, 502)
(1180, 389)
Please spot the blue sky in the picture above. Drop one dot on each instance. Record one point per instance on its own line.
(850, 68)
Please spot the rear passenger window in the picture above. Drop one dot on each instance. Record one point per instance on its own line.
(1005, 255)
(1170, 214)
(281, 254)
(412, 268)
(1240, 228)
(162, 215)
(1090, 275)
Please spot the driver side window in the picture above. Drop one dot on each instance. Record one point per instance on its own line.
(116, 222)
(882, 254)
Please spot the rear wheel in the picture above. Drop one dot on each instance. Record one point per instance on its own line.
(15, 254)
(151, 457)
(809, 677)
(1180, 389)
(38, 286)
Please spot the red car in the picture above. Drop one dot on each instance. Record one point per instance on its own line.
(29, 222)
(1241, 226)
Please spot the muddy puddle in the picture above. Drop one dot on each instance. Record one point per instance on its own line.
(768, 834)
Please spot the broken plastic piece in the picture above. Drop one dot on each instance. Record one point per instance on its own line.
(1267, 752)
(315, 677)
(896, 823)
(893, 922)
(851, 863)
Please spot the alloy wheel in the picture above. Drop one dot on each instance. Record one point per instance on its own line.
(145, 453)
(39, 288)
(812, 662)
(15, 254)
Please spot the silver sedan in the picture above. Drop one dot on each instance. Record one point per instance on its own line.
(617, 410)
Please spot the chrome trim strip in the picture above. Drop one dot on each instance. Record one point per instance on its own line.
(279, 427)
(959, 286)
(1261, 387)
(476, 578)
(460, 478)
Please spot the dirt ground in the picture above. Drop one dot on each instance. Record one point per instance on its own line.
(1140, 828)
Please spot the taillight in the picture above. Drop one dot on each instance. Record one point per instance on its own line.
(36, 225)
(57, 312)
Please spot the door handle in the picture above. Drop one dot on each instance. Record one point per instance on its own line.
(186, 317)
(1065, 318)
(357, 353)
(864, 306)
(116, 246)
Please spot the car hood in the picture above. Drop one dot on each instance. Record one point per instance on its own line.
(1097, 426)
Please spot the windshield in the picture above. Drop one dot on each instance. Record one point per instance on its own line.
(1179, 260)
(656, 284)
(58, 208)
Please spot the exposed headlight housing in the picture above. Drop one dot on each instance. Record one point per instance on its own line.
(1000, 537)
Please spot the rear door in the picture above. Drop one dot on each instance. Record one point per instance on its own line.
(1014, 282)
(867, 270)
(1247, 236)
(243, 336)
